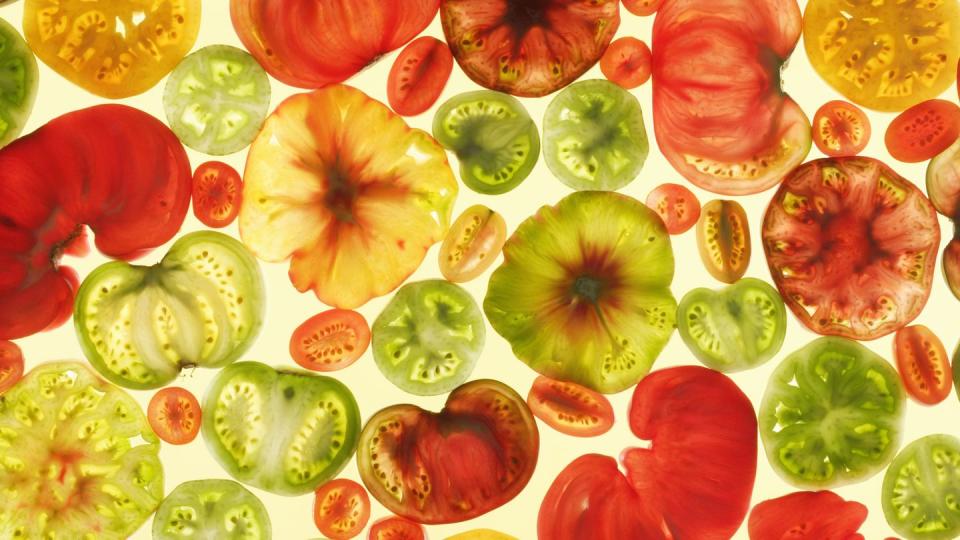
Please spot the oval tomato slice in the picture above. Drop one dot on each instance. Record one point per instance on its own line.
(11, 365)
(840, 129)
(723, 240)
(923, 131)
(396, 528)
(418, 76)
(642, 8)
(330, 340)
(570, 408)
(217, 192)
(807, 515)
(472, 244)
(626, 62)
(923, 364)
(678, 207)
(174, 415)
(341, 509)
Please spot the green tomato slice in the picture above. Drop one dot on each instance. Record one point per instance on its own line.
(216, 99)
(283, 431)
(429, 337)
(202, 305)
(76, 456)
(19, 79)
(495, 140)
(735, 328)
(831, 414)
(593, 136)
(221, 509)
(921, 489)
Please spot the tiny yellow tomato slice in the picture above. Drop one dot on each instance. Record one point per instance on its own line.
(472, 243)
(723, 239)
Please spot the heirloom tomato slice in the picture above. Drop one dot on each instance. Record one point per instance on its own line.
(341, 509)
(719, 113)
(221, 509)
(77, 457)
(281, 430)
(19, 79)
(528, 48)
(174, 415)
(311, 44)
(570, 408)
(923, 364)
(583, 293)
(923, 131)
(626, 62)
(112, 48)
(807, 515)
(340, 185)
(11, 365)
(396, 528)
(678, 207)
(920, 489)
(472, 244)
(331, 340)
(851, 245)
(418, 76)
(723, 240)
(840, 129)
(217, 193)
(473, 456)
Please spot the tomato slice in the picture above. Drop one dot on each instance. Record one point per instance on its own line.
(923, 364)
(919, 492)
(174, 415)
(217, 192)
(840, 129)
(570, 408)
(626, 62)
(481, 534)
(923, 131)
(396, 528)
(330, 340)
(723, 240)
(678, 207)
(11, 365)
(221, 509)
(642, 8)
(472, 244)
(418, 76)
(20, 80)
(341, 509)
(807, 515)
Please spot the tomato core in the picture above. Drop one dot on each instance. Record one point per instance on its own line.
(340, 196)
(589, 287)
(524, 15)
(850, 248)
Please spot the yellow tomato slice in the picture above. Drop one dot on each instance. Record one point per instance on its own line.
(481, 534)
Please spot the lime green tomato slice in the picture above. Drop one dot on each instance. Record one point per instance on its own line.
(216, 99)
(221, 509)
(283, 431)
(429, 337)
(202, 305)
(921, 489)
(735, 328)
(76, 455)
(593, 136)
(19, 79)
(831, 414)
(493, 137)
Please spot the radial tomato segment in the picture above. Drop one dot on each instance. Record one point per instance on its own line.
(217, 192)
(923, 364)
(472, 244)
(19, 79)
(11, 365)
(920, 489)
(677, 206)
(570, 408)
(807, 515)
(174, 415)
(331, 340)
(923, 131)
(221, 509)
(396, 528)
(418, 76)
(723, 240)
(626, 62)
(840, 129)
(341, 509)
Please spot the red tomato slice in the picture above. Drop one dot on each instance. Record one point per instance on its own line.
(570, 408)
(923, 131)
(217, 192)
(174, 415)
(923, 364)
(840, 129)
(396, 528)
(810, 515)
(330, 340)
(11, 365)
(677, 206)
(642, 8)
(341, 509)
(418, 76)
(626, 62)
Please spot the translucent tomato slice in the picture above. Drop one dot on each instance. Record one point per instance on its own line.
(217, 192)
(174, 415)
(677, 206)
(923, 364)
(807, 515)
(723, 239)
(330, 340)
(923, 131)
(472, 244)
(11, 365)
(642, 8)
(418, 76)
(570, 408)
(396, 528)
(626, 62)
(341, 509)
(840, 129)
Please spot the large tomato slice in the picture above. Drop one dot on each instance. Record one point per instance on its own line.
(720, 116)
(807, 515)
(311, 44)
(67, 174)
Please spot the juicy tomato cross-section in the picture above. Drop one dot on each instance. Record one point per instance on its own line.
(626, 62)
(396, 528)
(677, 206)
(923, 364)
(341, 509)
(174, 415)
(330, 340)
(217, 192)
(472, 244)
(807, 515)
(570, 408)
(418, 76)
(840, 129)
(923, 131)
(11, 365)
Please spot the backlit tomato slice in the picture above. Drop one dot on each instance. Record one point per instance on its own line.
(923, 131)
(923, 364)
(396, 528)
(217, 192)
(723, 239)
(677, 206)
(341, 509)
(174, 415)
(642, 8)
(330, 340)
(11, 365)
(626, 62)
(418, 76)
(570, 408)
(840, 129)
(807, 515)
(472, 244)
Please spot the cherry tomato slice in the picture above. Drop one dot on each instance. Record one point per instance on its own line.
(626, 62)
(923, 364)
(418, 76)
(923, 131)
(396, 528)
(330, 340)
(677, 206)
(723, 239)
(174, 415)
(472, 243)
(840, 129)
(642, 8)
(11, 365)
(341, 509)
(570, 408)
(217, 192)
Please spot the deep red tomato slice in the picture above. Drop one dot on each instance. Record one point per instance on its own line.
(840, 129)
(396, 528)
(11, 365)
(677, 206)
(923, 364)
(923, 131)
(642, 8)
(341, 509)
(418, 76)
(330, 340)
(174, 415)
(626, 62)
(570, 408)
(807, 515)
(217, 192)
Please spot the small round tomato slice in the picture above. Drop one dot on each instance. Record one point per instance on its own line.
(11, 365)
(217, 192)
(626, 62)
(642, 8)
(723, 240)
(923, 364)
(472, 244)
(418, 76)
(840, 129)
(330, 340)
(919, 493)
(341, 509)
(678, 207)
(570, 408)
(807, 515)
(396, 528)
(174, 415)
(923, 131)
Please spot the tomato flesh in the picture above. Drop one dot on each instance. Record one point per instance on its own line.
(472, 244)
(11, 365)
(923, 131)
(396, 528)
(677, 206)
(840, 129)
(626, 62)
(570, 408)
(341, 509)
(217, 192)
(418, 76)
(642, 8)
(331, 340)
(723, 240)
(174, 415)
(807, 515)
(220, 509)
(923, 364)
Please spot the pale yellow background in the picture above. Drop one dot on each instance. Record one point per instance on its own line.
(291, 516)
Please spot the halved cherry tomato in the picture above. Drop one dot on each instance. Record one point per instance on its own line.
(678, 207)
(642, 8)
(923, 364)
(396, 528)
(217, 192)
(723, 239)
(330, 340)
(418, 76)
(174, 415)
(11, 365)
(570, 408)
(923, 131)
(341, 509)
(626, 62)
(840, 129)
(472, 244)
